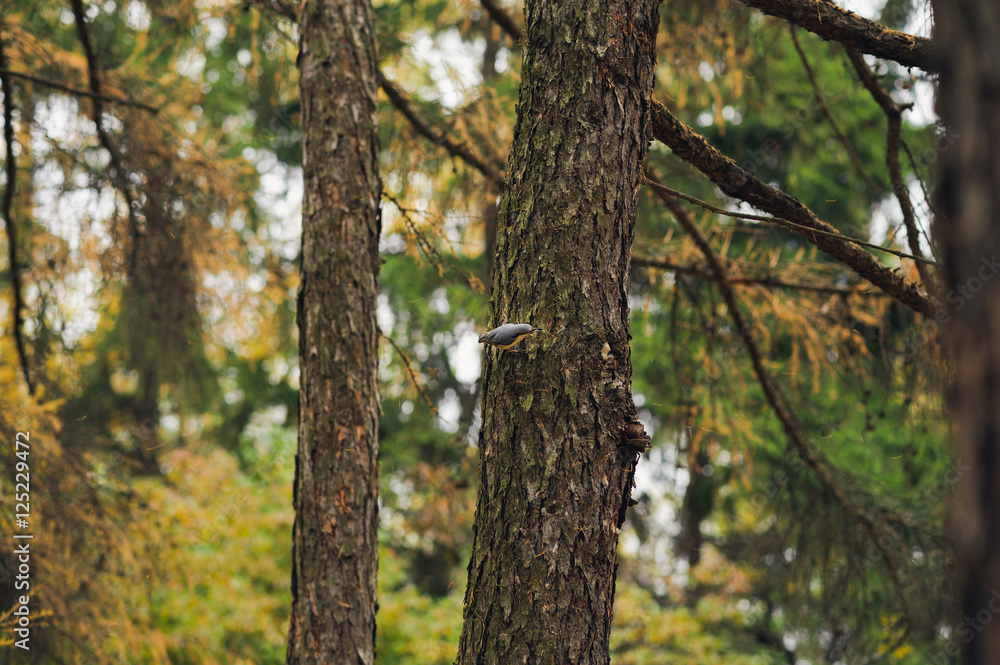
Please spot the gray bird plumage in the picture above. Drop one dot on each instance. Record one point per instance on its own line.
(508, 334)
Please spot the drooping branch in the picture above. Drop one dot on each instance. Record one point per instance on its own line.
(765, 280)
(828, 114)
(10, 167)
(832, 23)
(410, 372)
(746, 332)
(110, 99)
(428, 248)
(455, 148)
(739, 183)
(97, 108)
(894, 116)
(872, 526)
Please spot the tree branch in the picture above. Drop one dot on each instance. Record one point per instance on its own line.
(10, 167)
(746, 332)
(97, 116)
(502, 18)
(432, 253)
(851, 152)
(414, 379)
(80, 93)
(894, 115)
(805, 230)
(765, 280)
(832, 23)
(405, 106)
(739, 183)
(874, 528)
(283, 9)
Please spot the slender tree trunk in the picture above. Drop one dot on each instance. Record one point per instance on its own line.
(969, 233)
(336, 469)
(560, 434)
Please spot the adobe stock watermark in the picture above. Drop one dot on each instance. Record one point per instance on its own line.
(957, 298)
(965, 632)
(877, 548)
(790, 464)
(770, 147)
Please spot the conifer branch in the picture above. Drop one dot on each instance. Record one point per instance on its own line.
(766, 280)
(110, 99)
(786, 210)
(832, 23)
(894, 116)
(828, 114)
(97, 114)
(440, 138)
(428, 247)
(873, 527)
(805, 230)
(414, 379)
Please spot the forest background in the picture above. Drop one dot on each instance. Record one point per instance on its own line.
(152, 244)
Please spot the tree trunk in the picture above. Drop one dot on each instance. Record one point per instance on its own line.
(560, 434)
(336, 511)
(969, 233)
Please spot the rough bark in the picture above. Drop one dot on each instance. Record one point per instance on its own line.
(560, 435)
(831, 22)
(336, 509)
(969, 234)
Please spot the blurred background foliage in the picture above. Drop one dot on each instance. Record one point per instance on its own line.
(160, 323)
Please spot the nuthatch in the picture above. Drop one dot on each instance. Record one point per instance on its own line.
(508, 335)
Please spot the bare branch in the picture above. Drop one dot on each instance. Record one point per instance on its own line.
(894, 115)
(80, 93)
(405, 106)
(832, 23)
(10, 167)
(741, 184)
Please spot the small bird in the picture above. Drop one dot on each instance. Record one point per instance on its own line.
(507, 335)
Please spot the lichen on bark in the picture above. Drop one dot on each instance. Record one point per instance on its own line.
(556, 469)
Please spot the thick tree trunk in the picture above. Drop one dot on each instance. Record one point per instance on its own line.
(969, 231)
(560, 435)
(336, 509)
